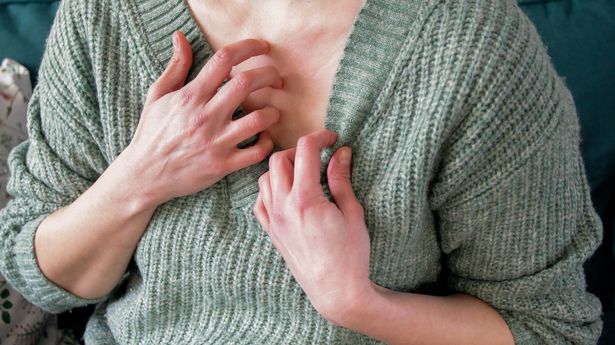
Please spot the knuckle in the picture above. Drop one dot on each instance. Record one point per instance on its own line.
(223, 56)
(340, 176)
(242, 82)
(275, 159)
(193, 124)
(153, 90)
(262, 179)
(278, 215)
(305, 142)
(277, 156)
(256, 120)
(186, 95)
(218, 168)
(178, 61)
(301, 201)
(175, 60)
(358, 208)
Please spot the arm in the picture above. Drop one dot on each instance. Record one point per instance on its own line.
(511, 203)
(514, 216)
(511, 197)
(516, 225)
(59, 161)
(530, 224)
(407, 318)
(103, 225)
(342, 291)
(61, 198)
(515, 242)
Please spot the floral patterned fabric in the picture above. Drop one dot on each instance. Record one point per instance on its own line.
(21, 323)
(15, 92)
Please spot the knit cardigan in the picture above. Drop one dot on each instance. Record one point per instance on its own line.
(466, 161)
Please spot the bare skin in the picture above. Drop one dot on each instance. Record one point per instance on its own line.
(308, 77)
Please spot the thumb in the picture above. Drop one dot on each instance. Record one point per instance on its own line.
(174, 76)
(338, 174)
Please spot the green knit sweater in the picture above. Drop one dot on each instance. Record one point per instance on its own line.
(466, 160)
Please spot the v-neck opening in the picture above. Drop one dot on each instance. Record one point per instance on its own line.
(242, 184)
(350, 99)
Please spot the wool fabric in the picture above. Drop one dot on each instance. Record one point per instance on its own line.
(466, 161)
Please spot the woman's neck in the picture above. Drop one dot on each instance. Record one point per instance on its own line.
(241, 9)
(277, 19)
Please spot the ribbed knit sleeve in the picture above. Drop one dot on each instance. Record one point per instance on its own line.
(511, 198)
(60, 160)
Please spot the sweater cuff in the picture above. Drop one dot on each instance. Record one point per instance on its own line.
(37, 289)
(521, 334)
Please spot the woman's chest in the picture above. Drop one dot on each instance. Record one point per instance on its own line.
(306, 59)
(303, 100)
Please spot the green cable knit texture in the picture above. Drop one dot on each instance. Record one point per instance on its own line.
(466, 160)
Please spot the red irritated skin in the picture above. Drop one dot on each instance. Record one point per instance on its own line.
(326, 246)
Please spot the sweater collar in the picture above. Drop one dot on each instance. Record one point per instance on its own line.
(367, 71)
(380, 29)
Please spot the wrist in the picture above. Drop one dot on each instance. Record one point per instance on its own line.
(126, 184)
(358, 306)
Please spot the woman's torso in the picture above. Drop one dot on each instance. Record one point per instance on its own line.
(204, 270)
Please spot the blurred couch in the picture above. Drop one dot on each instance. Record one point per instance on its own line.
(580, 37)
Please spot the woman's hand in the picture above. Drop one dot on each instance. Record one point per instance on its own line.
(325, 245)
(186, 139)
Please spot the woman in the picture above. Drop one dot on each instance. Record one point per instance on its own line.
(465, 217)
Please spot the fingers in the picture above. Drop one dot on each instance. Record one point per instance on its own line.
(174, 76)
(338, 174)
(249, 125)
(289, 154)
(307, 160)
(242, 158)
(281, 175)
(237, 89)
(264, 185)
(218, 68)
(261, 213)
(259, 99)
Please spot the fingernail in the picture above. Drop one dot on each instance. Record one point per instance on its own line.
(344, 157)
(266, 45)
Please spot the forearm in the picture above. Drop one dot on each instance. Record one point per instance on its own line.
(407, 318)
(86, 246)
